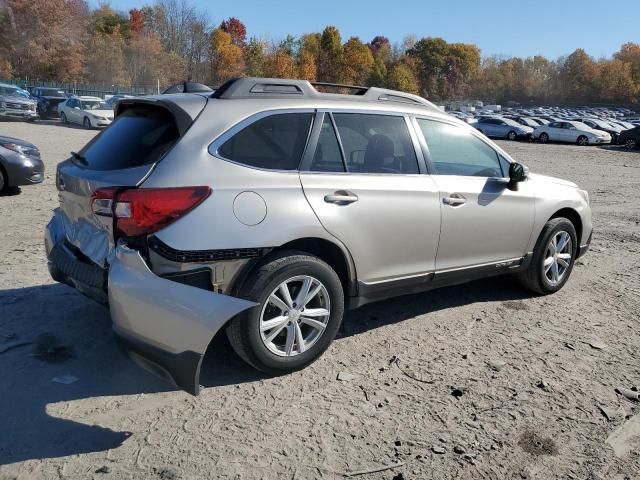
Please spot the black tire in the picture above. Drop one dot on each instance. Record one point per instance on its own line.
(534, 278)
(630, 144)
(3, 181)
(244, 331)
(544, 138)
(512, 136)
(86, 123)
(582, 140)
(63, 118)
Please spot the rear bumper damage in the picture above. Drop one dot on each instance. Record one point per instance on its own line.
(166, 326)
(163, 325)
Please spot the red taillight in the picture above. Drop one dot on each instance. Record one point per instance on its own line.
(146, 210)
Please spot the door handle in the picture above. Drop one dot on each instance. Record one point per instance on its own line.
(454, 199)
(341, 197)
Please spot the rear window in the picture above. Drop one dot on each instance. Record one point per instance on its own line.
(139, 136)
(275, 142)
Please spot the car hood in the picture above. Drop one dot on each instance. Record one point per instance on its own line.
(557, 181)
(14, 99)
(104, 113)
(17, 141)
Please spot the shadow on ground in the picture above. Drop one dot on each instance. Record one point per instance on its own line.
(83, 327)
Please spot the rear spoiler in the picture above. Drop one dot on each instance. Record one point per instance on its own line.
(184, 108)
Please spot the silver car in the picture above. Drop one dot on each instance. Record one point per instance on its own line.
(267, 209)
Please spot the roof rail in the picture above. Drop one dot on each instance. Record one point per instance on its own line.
(253, 87)
(360, 90)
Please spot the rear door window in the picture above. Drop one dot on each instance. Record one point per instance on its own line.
(138, 136)
(376, 143)
(276, 142)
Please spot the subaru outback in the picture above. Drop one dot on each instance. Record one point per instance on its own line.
(269, 207)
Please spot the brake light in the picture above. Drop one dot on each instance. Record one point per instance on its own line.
(141, 211)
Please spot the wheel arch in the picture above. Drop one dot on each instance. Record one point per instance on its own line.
(335, 255)
(573, 216)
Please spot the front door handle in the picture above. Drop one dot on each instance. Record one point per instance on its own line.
(341, 197)
(454, 200)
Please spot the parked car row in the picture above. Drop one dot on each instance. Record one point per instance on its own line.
(585, 126)
(49, 102)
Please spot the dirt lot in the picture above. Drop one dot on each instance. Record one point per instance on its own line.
(478, 381)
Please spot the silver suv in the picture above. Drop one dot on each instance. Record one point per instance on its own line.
(268, 208)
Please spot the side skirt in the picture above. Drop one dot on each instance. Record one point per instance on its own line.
(374, 292)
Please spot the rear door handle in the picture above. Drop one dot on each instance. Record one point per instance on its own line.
(454, 200)
(341, 197)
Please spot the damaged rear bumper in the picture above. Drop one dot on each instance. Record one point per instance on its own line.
(163, 325)
(166, 326)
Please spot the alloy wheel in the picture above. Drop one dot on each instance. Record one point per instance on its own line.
(557, 258)
(512, 136)
(582, 141)
(295, 315)
(630, 143)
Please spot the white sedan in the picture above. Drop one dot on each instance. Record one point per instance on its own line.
(89, 112)
(570, 131)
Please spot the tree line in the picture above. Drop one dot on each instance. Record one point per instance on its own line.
(171, 40)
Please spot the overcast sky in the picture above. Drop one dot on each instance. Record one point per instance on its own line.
(502, 27)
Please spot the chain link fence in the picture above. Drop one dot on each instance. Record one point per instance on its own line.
(97, 90)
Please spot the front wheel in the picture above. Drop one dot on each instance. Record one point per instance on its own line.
(544, 138)
(3, 181)
(63, 118)
(300, 307)
(512, 135)
(553, 257)
(583, 141)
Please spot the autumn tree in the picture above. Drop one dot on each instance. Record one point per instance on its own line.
(227, 60)
(254, 57)
(401, 77)
(236, 29)
(44, 39)
(330, 56)
(358, 62)
(579, 73)
(381, 50)
(308, 54)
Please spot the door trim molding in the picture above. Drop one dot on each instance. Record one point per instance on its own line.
(384, 289)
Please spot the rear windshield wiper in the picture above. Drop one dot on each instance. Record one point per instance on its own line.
(79, 158)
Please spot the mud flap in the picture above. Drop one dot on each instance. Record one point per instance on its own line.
(166, 326)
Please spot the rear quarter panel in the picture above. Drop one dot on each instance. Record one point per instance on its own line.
(213, 224)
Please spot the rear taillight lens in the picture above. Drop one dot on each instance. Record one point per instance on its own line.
(145, 210)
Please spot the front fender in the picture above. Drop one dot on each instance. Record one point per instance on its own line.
(165, 326)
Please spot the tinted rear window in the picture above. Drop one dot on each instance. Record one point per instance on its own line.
(275, 142)
(139, 136)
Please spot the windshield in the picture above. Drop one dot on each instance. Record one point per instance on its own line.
(513, 123)
(9, 91)
(94, 105)
(53, 93)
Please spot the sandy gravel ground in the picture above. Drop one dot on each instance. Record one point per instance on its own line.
(476, 381)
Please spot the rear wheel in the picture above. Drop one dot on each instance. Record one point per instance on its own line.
(512, 135)
(86, 123)
(583, 141)
(3, 181)
(630, 143)
(300, 307)
(553, 257)
(544, 138)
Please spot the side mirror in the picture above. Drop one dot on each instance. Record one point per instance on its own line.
(518, 172)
